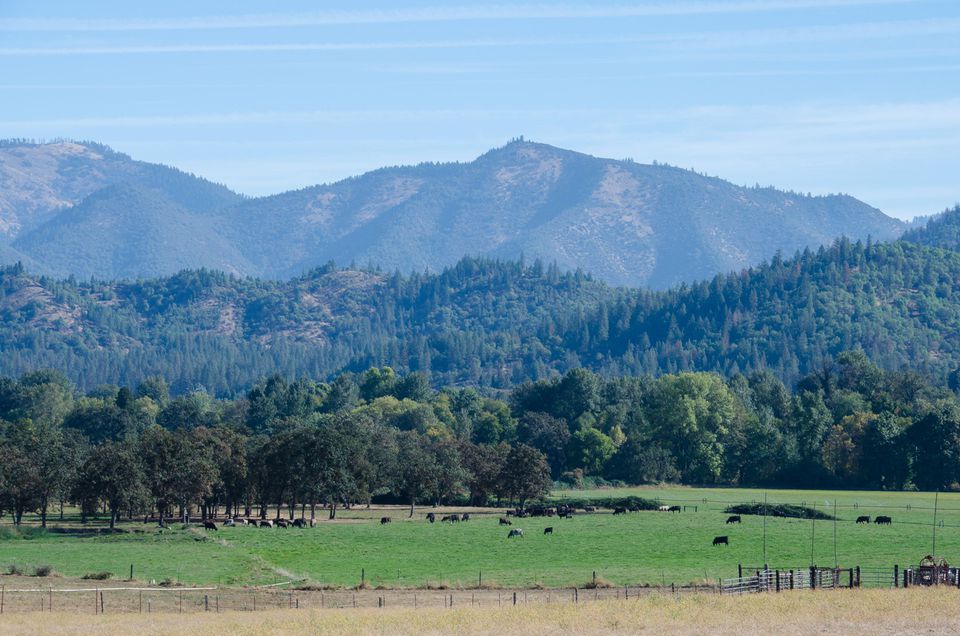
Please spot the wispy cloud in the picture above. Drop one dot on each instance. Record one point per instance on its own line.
(534, 11)
(687, 40)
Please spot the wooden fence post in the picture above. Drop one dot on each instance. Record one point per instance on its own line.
(777, 575)
(739, 570)
(3, 589)
(896, 576)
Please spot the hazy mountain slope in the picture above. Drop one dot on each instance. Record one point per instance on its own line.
(128, 231)
(37, 181)
(941, 230)
(626, 223)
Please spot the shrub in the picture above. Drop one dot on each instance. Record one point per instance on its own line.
(43, 570)
(779, 510)
(611, 502)
(97, 576)
(14, 570)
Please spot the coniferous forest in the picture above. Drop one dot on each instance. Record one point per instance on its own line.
(494, 324)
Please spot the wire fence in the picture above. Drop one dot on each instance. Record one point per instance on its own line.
(118, 600)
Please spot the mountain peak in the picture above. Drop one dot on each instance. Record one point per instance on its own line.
(627, 223)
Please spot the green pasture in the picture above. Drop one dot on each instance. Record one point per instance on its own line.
(637, 548)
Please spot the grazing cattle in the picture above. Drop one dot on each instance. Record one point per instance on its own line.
(883, 519)
(516, 532)
(465, 517)
(300, 523)
(384, 520)
(228, 522)
(266, 523)
(431, 517)
(674, 509)
(664, 508)
(282, 523)
(721, 541)
(209, 525)
(734, 519)
(619, 511)
(548, 530)
(567, 515)
(505, 522)
(863, 519)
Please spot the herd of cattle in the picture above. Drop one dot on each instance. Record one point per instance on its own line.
(561, 511)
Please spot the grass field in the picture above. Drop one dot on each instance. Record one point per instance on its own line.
(873, 612)
(638, 548)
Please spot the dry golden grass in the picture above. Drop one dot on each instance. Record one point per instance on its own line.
(866, 612)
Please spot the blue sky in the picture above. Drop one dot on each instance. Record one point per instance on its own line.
(856, 96)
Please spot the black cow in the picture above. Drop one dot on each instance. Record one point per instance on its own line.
(863, 519)
(674, 509)
(384, 520)
(516, 532)
(282, 523)
(505, 522)
(619, 511)
(734, 519)
(266, 523)
(209, 525)
(721, 541)
(883, 519)
(431, 517)
(548, 530)
(299, 523)
(465, 517)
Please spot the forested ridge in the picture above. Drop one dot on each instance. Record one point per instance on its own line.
(286, 446)
(492, 323)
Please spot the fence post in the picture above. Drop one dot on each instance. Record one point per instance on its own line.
(96, 601)
(813, 577)
(514, 598)
(101, 602)
(131, 572)
(140, 602)
(739, 570)
(576, 595)
(3, 589)
(777, 575)
(363, 577)
(896, 576)
(181, 601)
(206, 602)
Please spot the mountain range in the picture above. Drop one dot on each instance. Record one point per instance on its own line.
(84, 210)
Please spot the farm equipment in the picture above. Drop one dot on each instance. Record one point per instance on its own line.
(932, 571)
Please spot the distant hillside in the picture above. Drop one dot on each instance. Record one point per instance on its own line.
(626, 223)
(128, 230)
(487, 323)
(941, 230)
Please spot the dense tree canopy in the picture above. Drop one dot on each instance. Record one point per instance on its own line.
(286, 447)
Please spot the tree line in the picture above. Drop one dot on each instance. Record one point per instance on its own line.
(284, 447)
(494, 324)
